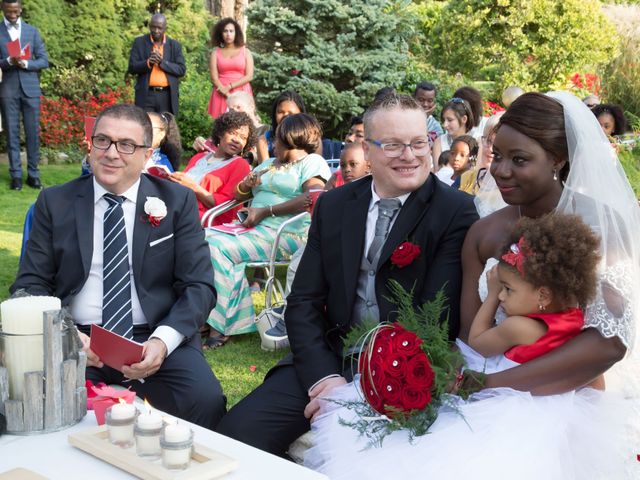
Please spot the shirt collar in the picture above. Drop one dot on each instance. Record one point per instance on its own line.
(99, 191)
(164, 39)
(7, 23)
(375, 198)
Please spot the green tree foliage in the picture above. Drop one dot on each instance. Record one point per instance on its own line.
(336, 54)
(535, 44)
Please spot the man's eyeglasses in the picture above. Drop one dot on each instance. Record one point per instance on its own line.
(104, 143)
(394, 150)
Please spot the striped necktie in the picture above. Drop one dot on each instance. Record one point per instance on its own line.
(116, 297)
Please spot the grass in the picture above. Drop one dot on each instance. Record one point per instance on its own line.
(233, 364)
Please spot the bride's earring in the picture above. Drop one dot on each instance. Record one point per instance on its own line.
(541, 307)
(555, 175)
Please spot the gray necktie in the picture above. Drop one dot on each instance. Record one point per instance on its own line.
(387, 208)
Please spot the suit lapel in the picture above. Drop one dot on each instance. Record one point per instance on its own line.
(84, 213)
(354, 223)
(410, 215)
(141, 228)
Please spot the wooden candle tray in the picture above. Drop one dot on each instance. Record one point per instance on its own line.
(205, 464)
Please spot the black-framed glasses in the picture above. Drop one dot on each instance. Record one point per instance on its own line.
(395, 149)
(122, 146)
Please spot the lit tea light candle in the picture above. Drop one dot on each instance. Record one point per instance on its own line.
(120, 419)
(147, 432)
(176, 442)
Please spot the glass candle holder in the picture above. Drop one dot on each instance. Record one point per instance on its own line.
(120, 419)
(176, 442)
(147, 433)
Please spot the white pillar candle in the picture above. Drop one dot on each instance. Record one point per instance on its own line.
(23, 316)
(120, 419)
(176, 446)
(148, 427)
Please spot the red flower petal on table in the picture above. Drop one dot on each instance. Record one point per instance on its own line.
(419, 372)
(253, 368)
(405, 254)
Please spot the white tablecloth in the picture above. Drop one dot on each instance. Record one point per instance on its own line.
(51, 455)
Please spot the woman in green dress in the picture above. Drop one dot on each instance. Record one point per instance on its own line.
(278, 189)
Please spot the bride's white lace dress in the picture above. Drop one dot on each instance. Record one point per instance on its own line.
(496, 434)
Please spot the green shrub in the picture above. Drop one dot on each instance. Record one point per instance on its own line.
(336, 54)
(622, 80)
(535, 44)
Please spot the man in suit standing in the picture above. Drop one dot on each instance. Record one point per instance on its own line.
(345, 270)
(127, 251)
(20, 92)
(158, 62)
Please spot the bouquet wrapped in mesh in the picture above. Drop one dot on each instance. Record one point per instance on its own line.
(405, 369)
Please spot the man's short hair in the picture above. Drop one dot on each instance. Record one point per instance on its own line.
(389, 102)
(130, 112)
(428, 86)
(357, 120)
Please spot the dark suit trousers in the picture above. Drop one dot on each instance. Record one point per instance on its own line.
(184, 386)
(30, 108)
(272, 416)
(157, 101)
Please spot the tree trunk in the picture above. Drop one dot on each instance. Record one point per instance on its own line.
(229, 8)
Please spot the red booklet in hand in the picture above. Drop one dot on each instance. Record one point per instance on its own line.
(160, 171)
(13, 48)
(114, 350)
(26, 53)
(232, 228)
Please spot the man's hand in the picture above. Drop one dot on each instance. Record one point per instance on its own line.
(155, 58)
(321, 390)
(13, 60)
(200, 145)
(153, 354)
(184, 180)
(22, 64)
(92, 359)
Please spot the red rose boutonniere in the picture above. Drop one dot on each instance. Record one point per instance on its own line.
(155, 209)
(405, 254)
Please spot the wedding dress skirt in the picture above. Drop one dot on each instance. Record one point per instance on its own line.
(495, 434)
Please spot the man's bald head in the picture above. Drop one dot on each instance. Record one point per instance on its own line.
(157, 27)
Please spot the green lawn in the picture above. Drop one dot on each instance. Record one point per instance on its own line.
(232, 364)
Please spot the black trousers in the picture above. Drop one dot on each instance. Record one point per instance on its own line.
(272, 416)
(184, 386)
(158, 101)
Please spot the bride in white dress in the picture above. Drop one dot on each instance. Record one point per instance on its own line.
(504, 431)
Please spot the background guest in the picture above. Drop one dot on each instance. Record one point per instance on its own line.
(457, 119)
(213, 176)
(278, 188)
(425, 95)
(471, 181)
(474, 97)
(287, 103)
(167, 148)
(158, 62)
(230, 65)
(591, 101)
(611, 118)
(20, 93)
(356, 131)
(464, 150)
(353, 165)
(510, 94)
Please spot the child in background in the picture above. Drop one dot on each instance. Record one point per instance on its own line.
(444, 171)
(464, 151)
(352, 166)
(166, 145)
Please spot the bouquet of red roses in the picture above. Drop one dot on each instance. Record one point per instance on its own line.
(406, 369)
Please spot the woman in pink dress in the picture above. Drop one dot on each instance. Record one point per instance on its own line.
(230, 64)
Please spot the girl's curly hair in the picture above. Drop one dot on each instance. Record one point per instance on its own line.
(561, 253)
(230, 121)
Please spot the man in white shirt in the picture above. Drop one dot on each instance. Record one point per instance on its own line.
(345, 270)
(127, 251)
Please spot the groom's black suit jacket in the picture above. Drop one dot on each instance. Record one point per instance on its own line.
(319, 308)
(173, 277)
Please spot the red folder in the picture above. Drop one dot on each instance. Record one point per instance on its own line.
(160, 171)
(26, 53)
(114, 350)
(13, 48)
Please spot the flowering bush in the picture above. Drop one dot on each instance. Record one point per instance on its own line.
(62, 120)
(584, 84)
(491, 108)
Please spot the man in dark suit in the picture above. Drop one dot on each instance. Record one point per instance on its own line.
(158, 62)
(344, 273)
(20, 92)
(127, 251)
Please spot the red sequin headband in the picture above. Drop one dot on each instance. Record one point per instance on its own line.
(517, 254)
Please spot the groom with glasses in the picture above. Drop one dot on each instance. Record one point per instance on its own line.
(126, 251)
(344, 273)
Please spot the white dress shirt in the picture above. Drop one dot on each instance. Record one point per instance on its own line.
(86, 307)
(370, 233)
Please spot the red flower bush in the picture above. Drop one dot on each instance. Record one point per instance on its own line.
(62, 120)
(395, 374)
(405, 254)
